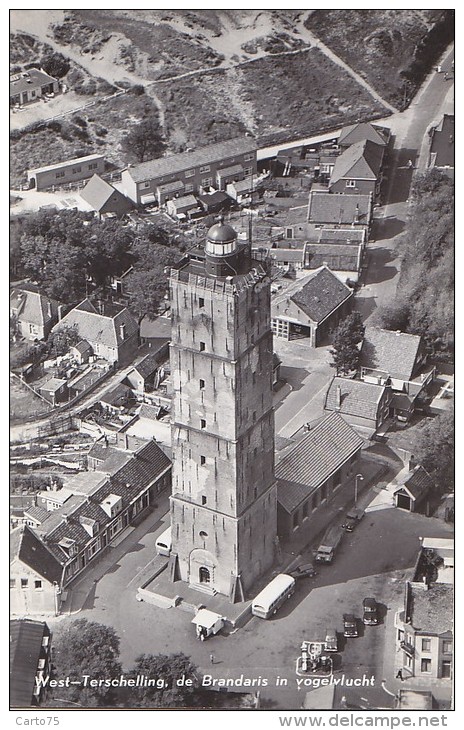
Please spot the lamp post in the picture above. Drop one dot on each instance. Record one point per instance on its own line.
(358, 476)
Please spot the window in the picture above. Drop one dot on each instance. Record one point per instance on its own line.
(190, 173)
(189, 188)
(446, 669)
(305, 511)
(324, 493)
(247, 171)
(207, 181)
(76, 169)
(400, 634)
(205, 168)
(248, 158)
(289, 232)
(202, 384)
(350, 183)
(295, 520)
(203, 500)
(202, 423)
(146, 184)
(59, 174)
(202, 347)
(201, 302)
(24, 582)
(426, 665)
(12, 583)
(314, 502)
(93, 165)
(254, 416)
(426, 644)
(447, 647)
(337, 479)
(202, 460)
(38, 585)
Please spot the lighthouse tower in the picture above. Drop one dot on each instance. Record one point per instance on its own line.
(223, 503)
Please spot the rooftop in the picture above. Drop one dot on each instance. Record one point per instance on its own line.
(321, 294)
(362, 160)
(417, 482)
(32, 306)
(442, 144)
(364, 130)
(339, 209)
(26, 637)
(27, 80)
(431, 610)
(357, 398)
(97, 193)
(391, 352)
(314, 459)
(111, 326)
(58, 165)
(338, 257)
(30, 550)
(185, 160)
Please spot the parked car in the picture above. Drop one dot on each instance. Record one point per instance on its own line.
(370, 612)
(303, 571)
(331, 640)
(350, 626)
(352, 518)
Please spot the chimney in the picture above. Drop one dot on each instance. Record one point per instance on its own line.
(356, 214)
(61, 309)
(339, 397)
(101, 307)
(49, 309)
(65, 518)
(122, 331)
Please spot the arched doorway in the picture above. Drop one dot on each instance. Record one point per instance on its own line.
(204, 575)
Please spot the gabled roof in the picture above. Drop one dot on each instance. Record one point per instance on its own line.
(339, 209)
(31, 306)
(321, 295)
(38, 514)
(118, 396)
(30, 550)
(104, 328)
(26, 638)
(394, 353)
(417, 482)
(338, 257)
(189, 201)
(148, 365)
(186, 160)
(351, 236)
(361, 161)
(314, 459)
(97, 193)
(356, 397)
(358, 132)
(82, 347)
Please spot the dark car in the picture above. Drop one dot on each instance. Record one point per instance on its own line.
(352, 519)
(370, 612)
(350, 626)
(303, 571)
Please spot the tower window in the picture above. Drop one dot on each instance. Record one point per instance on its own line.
(203, 500)
(203, 536)
(202, 384)
(201, 302)
(202, 346)
(202, 460)
(202, 423)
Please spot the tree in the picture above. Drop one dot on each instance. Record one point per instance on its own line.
(168, 669)
(86, 648)
(148, 283)
(145, 139)
(60, 341)
(434, 449)
(56, 65)
(347, 337)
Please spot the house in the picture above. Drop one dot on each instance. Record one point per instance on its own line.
(54, 390)
(358, 170)
(121, 282)
(69, 171)
(30, 661)
(35, 574)
(118, 399)
(52, 499)
(105, 199)
(33, 313)
(441, 154)
(110, 329)
(31, 85)
(344, 259)
(144, 375)
(393, 358)
(155, 332)
(363, 405)
(112, 452)
(414, 489)
(81, 352)
(288, 259)
(243, 191)
(214, 202)
(363, 131)
(325, 460)
(311, 307)
(327, 209)
(190, 172)
(424, 624)
(184, 207)
(34, 516)
(90, 523)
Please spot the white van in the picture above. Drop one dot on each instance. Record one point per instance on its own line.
(273, 596)
(163, 543)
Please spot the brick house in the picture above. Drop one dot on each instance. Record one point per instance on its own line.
(109, 328)
(34, 314)
(311, 307)
(325, 460)
(363, 405)
(197, 171)
(30, 661)
(358, 170)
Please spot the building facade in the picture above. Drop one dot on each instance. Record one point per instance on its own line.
(223, 504)
(69, 171)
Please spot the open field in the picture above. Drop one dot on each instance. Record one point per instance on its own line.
(23, 402)
(382, 44)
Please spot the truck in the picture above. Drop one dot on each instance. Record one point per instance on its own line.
(329, 543)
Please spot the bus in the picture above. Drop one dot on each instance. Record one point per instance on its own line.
(270, 599)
